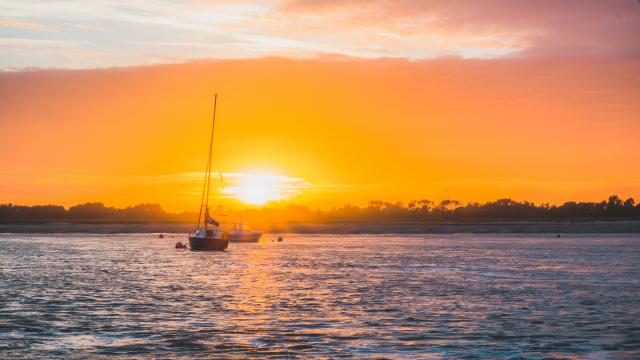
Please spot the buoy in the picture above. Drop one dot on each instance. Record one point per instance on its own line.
(161, 236)
(280, 238)
(180, 245)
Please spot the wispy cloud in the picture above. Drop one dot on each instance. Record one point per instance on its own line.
(28, 25)
(224, 182)
(37, 43)
(158, 30)
(85, 27)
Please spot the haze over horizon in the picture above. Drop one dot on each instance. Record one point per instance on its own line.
(321, 103)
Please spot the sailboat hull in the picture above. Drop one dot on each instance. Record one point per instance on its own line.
(208, 243)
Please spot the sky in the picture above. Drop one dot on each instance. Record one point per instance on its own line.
(321, 103)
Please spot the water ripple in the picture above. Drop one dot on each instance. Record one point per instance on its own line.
(460, 296)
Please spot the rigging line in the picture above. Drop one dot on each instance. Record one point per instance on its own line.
(204, 186)
(207, 170)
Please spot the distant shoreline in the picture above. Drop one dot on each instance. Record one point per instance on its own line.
(521, 227)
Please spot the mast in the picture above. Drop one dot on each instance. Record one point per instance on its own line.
(213, 124)
(207, 178)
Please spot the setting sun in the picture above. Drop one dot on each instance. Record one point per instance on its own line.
(260, 188)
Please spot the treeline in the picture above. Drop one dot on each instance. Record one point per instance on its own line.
(89, 212)
(614, 208)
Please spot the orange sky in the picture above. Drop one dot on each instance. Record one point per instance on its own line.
(336, 101)
(352, 130)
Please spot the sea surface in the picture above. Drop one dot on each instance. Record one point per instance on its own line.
(452, 296)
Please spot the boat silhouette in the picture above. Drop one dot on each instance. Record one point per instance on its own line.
(207, 237)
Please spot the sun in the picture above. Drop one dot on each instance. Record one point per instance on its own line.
(261, 188)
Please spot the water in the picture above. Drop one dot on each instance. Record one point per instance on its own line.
(460, 296)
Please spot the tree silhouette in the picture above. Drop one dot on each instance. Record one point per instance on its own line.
(379, 211)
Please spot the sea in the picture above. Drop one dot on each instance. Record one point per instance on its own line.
(459, 296)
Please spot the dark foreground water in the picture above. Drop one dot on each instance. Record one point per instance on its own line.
(455, 296)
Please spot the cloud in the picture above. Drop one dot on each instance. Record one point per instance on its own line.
(36, 43)
(161, 31)
(27, 25)
(253, 188)
(89, 27)
(545, 27)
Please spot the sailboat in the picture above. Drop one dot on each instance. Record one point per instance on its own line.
(243, 233)
(207, 237)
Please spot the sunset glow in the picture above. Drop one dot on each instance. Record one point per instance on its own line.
(347, 101)
(259, 188)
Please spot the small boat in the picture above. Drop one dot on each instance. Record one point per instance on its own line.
(243, 233)
(208, 237)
